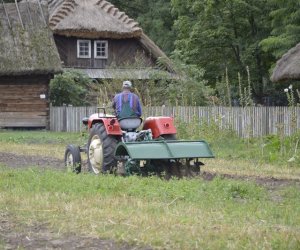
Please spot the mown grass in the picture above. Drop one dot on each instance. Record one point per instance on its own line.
(250, 168)
(41, 143)
(175, 214)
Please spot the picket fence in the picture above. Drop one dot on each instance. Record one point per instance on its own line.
(247, 122)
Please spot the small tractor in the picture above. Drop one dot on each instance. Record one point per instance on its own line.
(116, 146)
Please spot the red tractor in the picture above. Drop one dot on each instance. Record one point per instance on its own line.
(116, 146)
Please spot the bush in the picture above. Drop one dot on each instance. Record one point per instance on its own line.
(70, 88)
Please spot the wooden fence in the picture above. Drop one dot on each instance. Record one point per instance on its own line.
(247, 122)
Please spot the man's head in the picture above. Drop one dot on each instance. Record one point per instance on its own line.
(127, 85)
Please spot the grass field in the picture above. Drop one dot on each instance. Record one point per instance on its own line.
(178, 214)
(224, 213)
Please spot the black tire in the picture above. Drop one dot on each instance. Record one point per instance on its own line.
(73, 159)
(105, 162)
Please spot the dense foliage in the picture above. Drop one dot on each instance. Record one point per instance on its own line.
(217, 35)
(70, 88)
(155, 18)
(285, 16)
(220, 36)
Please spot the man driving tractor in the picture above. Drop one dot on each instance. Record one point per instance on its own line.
(127, 104)
(115, 144)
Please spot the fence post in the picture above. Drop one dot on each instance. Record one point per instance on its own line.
(64, 119)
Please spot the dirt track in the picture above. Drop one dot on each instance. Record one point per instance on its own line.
(18, 161)
(13, 235)
(16, 236)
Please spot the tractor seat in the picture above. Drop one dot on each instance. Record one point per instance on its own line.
(130, 123)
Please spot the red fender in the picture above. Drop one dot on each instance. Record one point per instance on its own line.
(160, 126)
(111, 124)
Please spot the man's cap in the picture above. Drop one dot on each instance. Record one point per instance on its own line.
(127, 84)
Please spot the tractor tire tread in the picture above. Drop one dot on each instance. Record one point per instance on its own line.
(75, 151)
(109, 144)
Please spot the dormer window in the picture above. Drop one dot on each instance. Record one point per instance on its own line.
(101, 49)
(83, 48)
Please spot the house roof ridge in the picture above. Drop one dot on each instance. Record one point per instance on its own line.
(64, 10)
(112, 10)
(92, 18)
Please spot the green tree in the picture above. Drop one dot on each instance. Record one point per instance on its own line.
(70, 88)
(189, 87)
(285, 32)
(133, 8)
(158, 24)
(216, 35)
(154, 17)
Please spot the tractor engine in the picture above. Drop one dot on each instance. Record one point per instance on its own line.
(144, 135)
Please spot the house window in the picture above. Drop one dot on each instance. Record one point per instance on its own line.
(101, 49)
(83, 48)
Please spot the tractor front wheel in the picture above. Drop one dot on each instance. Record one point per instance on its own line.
(73, 159)
(101, 147)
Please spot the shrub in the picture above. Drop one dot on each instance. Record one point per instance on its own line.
(70, 88)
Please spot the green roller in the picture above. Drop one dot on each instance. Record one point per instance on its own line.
(154, 150)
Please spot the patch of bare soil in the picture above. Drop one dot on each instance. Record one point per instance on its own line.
(20, 161)
(270, 183)
(16, 236)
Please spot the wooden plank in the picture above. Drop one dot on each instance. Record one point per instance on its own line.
(43, 105)
(40, 122)
(24, 80)
(23, 108)
(21, 115)
(15, 103)
(25, 85)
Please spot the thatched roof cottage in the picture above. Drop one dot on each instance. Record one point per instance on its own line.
(40, 38)
(28, 60)
(288, 67)
(96, 37)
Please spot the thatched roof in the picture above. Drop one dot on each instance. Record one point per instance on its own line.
(90, 19)
(288, 67)
(26, 43)
(98, 19)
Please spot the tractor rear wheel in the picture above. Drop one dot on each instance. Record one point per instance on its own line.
(101, 147)
(73, 159)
